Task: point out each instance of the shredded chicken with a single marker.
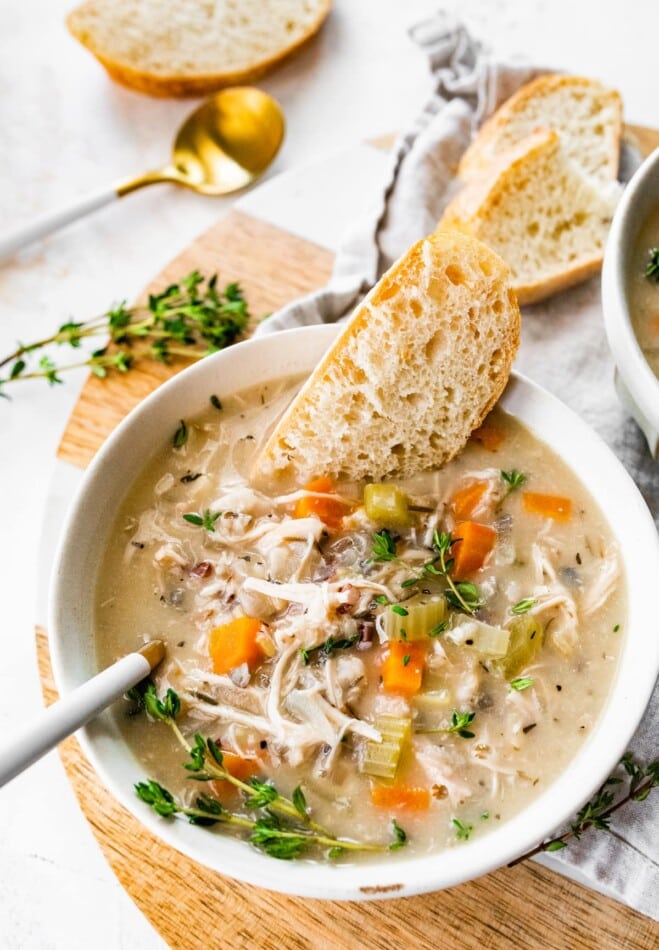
(604, 584)
(322, 598)
(437, 765)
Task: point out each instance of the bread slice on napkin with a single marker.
(193, 47)
(418, 366)
(536, 209)
(586, 114)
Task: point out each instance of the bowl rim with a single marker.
(630, 215)
(400, 875)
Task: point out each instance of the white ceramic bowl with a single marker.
(636, 384)
(72, 644)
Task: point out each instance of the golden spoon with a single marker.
(223, 146)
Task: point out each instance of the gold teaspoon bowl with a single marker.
(227, 142)
(223, 146)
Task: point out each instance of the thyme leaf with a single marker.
(157, 797)
(521, 683)
(181, 435)
(459, 722)
(328, 647)
(513, 479)
(523, 606)
(384, 546)
(269, 837)
(299, 800)
(206, 520)
(652, 266)
(264, 794)
(458, 725)
(439, 629)
(400, 836)
(462, 829)
(164, 710)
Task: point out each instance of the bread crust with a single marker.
(541, 290)
(478, 155)
(425, 262)
(177, 85)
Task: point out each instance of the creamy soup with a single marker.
(643, 291)
(418, 660)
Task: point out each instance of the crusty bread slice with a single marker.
(540, 213)
(586, 114)
(418, 366)
(192, 47)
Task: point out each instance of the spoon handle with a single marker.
(70, 713)
(54, 220)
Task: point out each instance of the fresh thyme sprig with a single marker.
(206, 764)
(190, 319)
(206, 757)
(266, 833)
(463, 595)
(328, 647)
(458, 727)
(597, 812)
(652, 266)
(513, 479)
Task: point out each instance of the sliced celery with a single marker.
(387, 505)
(526, 638)
(416, 618)
(433, 700)
(381, 758)
(483, 637)
(429, 707)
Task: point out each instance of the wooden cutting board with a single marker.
(192, 907)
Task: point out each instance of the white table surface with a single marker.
(67, 129)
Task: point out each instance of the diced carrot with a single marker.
(549, 506)
(489, 435)
(402, 667)
(655, 322)
(400, 796)
(329, 511)
(467, 499)
(235, 643)
(473, 542)
(240, 768)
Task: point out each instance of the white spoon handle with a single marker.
(55, 219)
(64, 717)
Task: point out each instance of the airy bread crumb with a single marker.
(418, 366)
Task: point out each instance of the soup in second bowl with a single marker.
(359, 666)
(643, 290)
